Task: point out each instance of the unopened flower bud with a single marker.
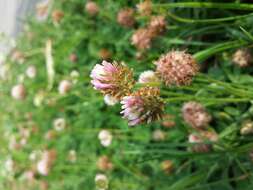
(101, 182)
(64, 87)
(167, 166)
(247, 128)
(110, 100)
(148, 77)
(31, 71)
(105, 137)
(158, 135)
(242, 58)
(18, 92)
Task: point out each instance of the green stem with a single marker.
(214, 20)
(207, 100)
(207, 5)
(205, 54)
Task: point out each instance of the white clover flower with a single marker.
(105, 137)
(31, 71)
(59, 124)
(101, 182)
(43, 167)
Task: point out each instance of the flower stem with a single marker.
(205, 54)
(208, 5)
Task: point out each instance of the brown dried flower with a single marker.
(200, 139)
(57, 16)
(126, 17)
(167, 166)
(196, 115)
(145, 8)
(242, 57)
(176, 68)
(105, 54)
(91, 8)
(142, 38)
(104, 163)
(157, 25)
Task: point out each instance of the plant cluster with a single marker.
(179, 73)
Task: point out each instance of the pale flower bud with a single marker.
(148, 77)
(247, 128)
(31, 71)
(64, 87)
(105, 137)
(18, 92)
(101, 182)
(110, 100)
(158, 135)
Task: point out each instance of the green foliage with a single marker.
(209, 30)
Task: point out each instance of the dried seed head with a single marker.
(142, 38)
(126, 17)
(17, 56)
(73, 57)
(112, 79)
(157, 25)
(167, 166)
(199, 140)
(247, 128)
(18, 92)
(104, 163)
(148, 77)
(196, 115)
(42, 10)
(57, 16)
(242, 57)
(143, 106)
(105, 54)
(176, 68)
(91, 8)
(145, 8)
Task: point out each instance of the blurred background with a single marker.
(12, 16)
